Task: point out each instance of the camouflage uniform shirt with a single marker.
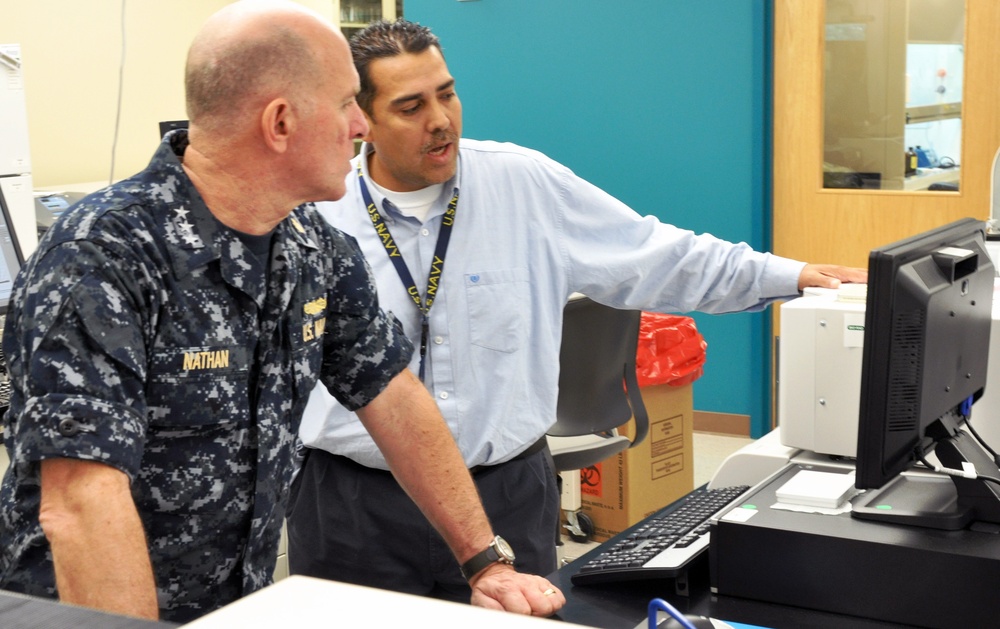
(145, 335)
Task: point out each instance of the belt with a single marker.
(534, 448)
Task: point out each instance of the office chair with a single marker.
(598, 393)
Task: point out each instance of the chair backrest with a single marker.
(597, 383)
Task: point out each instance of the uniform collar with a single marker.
(195, 237)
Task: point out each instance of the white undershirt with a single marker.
(416, 204)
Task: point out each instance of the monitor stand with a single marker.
(961, 451)
(940, 502)
(927, 501)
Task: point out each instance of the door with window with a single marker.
(858, 86)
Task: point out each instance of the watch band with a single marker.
(498, 551)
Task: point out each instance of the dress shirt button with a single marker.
(443, 395)
(438, 340)
(425, 232)
(68, 427)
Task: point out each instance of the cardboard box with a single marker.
(633, 484)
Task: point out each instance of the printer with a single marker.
(820, 345)
(819, 372)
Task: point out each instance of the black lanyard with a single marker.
(437, 264)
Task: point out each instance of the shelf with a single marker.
(926, 176)
(928, 113)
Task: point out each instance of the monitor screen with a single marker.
(927, 327)
(11, 258)
(167, 126)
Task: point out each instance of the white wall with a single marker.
(71, 52)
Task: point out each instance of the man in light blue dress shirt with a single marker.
(476, 247)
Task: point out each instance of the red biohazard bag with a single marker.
(670, 350)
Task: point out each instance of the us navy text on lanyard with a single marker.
(396, 257)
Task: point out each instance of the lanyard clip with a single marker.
(425, 329)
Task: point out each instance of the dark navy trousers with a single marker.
(355, 524)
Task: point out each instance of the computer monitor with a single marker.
(11, 257)
(926, 344)
(169, 125)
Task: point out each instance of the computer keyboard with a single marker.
(663, 545)
(5, 391)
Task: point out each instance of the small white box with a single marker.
(817, 489)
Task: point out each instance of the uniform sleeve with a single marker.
(364, 347)
(76, 355)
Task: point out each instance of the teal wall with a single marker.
(663, 103)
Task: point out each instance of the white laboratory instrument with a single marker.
(15, 155)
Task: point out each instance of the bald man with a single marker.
(169, 329)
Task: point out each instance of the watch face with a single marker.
(504, 549)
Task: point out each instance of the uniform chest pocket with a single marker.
(198, 386)
(496, 301)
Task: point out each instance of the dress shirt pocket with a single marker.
(496, 302)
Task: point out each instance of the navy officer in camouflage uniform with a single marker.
(167, 333)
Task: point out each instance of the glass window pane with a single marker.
(893, 94)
